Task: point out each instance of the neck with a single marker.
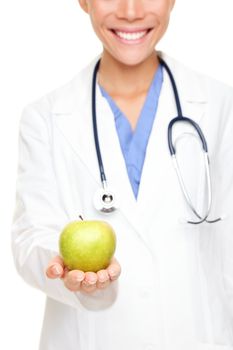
(124, 80)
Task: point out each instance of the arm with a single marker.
(39, 216)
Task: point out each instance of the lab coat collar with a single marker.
(73, 116)
(188, 83)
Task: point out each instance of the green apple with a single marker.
(87, 245)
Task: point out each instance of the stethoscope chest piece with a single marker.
(105, 200)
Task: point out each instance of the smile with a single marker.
(131, 36)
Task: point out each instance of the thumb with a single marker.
(55, 268)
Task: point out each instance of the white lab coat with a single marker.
(176, 287)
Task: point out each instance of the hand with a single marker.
(77, 280)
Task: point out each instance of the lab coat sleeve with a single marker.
(225, 167)
(39, 216)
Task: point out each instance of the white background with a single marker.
(44, 43)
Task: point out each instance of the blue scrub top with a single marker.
(134, 143)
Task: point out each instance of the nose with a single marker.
(130, 9)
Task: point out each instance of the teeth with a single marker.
(131, 36)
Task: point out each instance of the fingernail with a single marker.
(112, 273)
(102, 278)
(56, 270)
(91, 281)
(79, 277)
(88, 283)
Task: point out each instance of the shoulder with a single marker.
(62, 98)
(189, 80)
(196, 87)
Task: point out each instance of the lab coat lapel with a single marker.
(72, 115)
(159, 187)
(114, 164)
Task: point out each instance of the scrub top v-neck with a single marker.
(134, 143)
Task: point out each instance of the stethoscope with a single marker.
(105, 199)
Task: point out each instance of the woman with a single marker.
(175, 290)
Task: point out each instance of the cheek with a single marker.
(98, 15)
(161, 8)
(96, 20)
(162, 16)
(101, 8)
(98, 26)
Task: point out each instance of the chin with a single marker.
(130, 59)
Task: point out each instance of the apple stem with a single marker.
(80, 217)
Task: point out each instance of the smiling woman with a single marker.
(175, 290)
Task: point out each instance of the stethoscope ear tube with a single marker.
(186, 194)
(172, 149)
(207, 169)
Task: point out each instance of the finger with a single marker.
(55, 268)
(114, 270)
(89, 283)
(73, 279)
(103, 279)
(65, 271)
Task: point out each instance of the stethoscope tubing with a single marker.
(180, 118)
(194, 125)
(95, 127)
